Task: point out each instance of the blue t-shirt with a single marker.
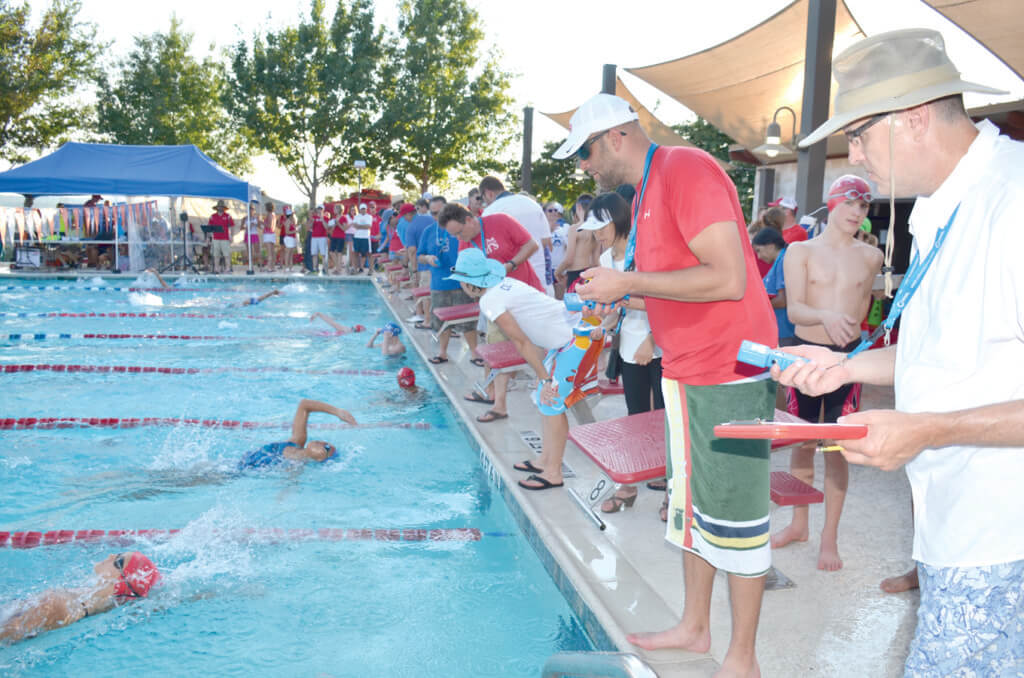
(437, 241)
(774, 281)
(413, 232)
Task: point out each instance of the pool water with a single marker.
(236, 597)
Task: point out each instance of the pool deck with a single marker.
(628, 579)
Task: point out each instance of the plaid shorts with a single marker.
(970, 622)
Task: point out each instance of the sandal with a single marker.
(623, 497)
(544, 484)
(663, 511)
(659, 485)
(527, 467)
(437, 360)
(490, 415)
(475, 397)
(479, 362)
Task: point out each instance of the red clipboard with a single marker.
(774, 430)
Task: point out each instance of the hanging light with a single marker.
(773, 136)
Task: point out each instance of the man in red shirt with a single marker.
(696, 272)
(504, 239)
(791, 230)
(220, 247)
(318, 239)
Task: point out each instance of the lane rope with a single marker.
(27, 539)
(205, 316)
(36, 423)
(45, 336)
(139, 369)
(73, 288)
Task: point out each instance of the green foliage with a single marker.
(308, 93)
(446, 111)
(706, 136)
(160, 94)
(554, 179)
(39, 68)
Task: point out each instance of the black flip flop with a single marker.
(479, 362)
(489, 416)
(437, 360)
(527, 467)
(658, 485)
(544, 484)
(475, 397)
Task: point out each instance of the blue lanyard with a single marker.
(483, 236)
(911, 280)
(628, 264)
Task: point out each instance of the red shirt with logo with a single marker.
(338, 230)
(504, 237)
(687, 192)
(318, 230)
(226, 223)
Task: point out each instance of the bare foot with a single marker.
(675, 638)
(730, 669)
(789, 534)
(828, 558)
(904, 582)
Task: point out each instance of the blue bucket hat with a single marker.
(475, 268)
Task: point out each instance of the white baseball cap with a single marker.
(785, 202)
(596, 114)
(596, 221)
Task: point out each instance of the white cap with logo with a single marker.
(596, 114)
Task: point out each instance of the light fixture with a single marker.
(773, 137)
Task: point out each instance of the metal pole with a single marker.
(248, 240)
(608, 79)
(810, 163)
(526, 180)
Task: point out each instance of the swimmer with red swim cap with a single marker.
(406, 378)
(119, 578)
(339, 330)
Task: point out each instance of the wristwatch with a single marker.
(514, 265)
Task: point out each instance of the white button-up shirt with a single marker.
(961, 345)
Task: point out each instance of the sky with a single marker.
(554, 48)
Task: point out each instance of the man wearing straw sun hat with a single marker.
(958, 369)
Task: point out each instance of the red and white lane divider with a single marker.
(75, 288)
(204, 316)
(43, 336)
(34, 423)
(138, 369)
(27, 539)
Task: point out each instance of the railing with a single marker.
(597, 665)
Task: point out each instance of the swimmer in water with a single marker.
(295, 449)
(253, 300)
(144, 279)
(338, 329)
(391, 344)
(119, 578)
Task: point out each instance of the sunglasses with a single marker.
(552, 209)
(855, 195)
(119, 565)
(584, 151)
(855, 134)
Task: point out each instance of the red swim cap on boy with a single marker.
(138, 575)
(358, 328)
(848, 187)
(406, 377)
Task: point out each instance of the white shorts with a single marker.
(289, 242)
(318, 246)
(269, 238)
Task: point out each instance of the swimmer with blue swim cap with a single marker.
(390, 345)
(119, 578)
(296, 449)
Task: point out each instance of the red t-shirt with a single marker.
(318, 230)
(290, 227)
(338, 230)
(225, 221)
(505, 237)
(686, 192)
(763, 267)
(794, 233)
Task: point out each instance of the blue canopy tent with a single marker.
(83, 169)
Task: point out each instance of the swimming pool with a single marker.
(397, 558)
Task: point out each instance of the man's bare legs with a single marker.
(906, 581)
(442, 342)
(837, 479)
(500, 386)
(801, 465)
(693, 632)
(554, 434)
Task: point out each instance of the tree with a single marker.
(39, 69)
(556, 180)
(308, 93)
(162, 95)
(446, 108)
(706, 136)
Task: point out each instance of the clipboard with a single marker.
(776, 430)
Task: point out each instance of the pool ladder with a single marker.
(597, 665)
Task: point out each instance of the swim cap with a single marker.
(848, 187)
(138, 574)
(392, 329)
(358, 328)
(406, 377)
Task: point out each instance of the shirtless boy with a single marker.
(829, 281)
(581, 248)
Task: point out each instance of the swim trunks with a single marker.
(271, 454)
(844, 400)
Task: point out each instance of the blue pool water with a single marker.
(232, 602)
